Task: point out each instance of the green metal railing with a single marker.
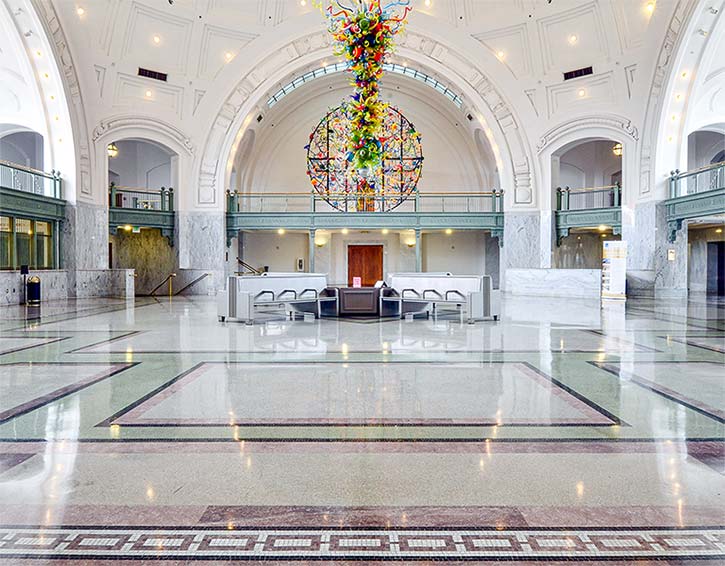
(438, 202)
(707, 178)
(29, 180)
(588, 198)
(141, 198)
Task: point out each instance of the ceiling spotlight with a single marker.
(573, 39)
(345, 231)
(650, 7)
(617, 149)
(449, 231)
(157, 39)
(228, 56)
(427, 3)
(112, 150)
(281, 231)
(582, 93)
(386, 231)
(149, 94)
(80, 11)
(500, 54)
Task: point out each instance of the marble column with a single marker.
(201, 242)
(524, 244)
(670, 258)
(492, 259)
(84, 241)
(639, 231)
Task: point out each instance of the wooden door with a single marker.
(365, 262)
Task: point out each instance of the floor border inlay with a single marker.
(407, 544)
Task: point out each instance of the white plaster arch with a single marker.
(150, 130)
(597, 127)
(685, 50)
(485, 102)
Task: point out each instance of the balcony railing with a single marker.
(161, 200)
(588, 198)
(708, 178)
(470, 202)
(29, 180)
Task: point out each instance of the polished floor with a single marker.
(564, 432)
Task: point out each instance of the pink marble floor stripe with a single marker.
(697, 449)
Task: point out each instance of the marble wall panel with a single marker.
(148, 253)
(53, 286)
(84, 237)
(670, 275)
(201, 240)
(697, 264)
(103, 283)
(575, 283)
(522, 242)
(492, 259)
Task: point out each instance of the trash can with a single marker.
(33, 290)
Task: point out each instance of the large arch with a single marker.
(484, 103)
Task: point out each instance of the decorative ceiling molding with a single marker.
(615, 124)
(62, 54)
(655, 103)
(151, 126)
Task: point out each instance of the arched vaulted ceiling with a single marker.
(506, 57)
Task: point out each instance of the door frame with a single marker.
(366, 243)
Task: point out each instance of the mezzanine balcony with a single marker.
(695, 194)
(588, 208)
(131, 209)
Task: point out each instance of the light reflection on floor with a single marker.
(188, 438)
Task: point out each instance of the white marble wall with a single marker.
(53, 286)
(575, 283)
(103, 283)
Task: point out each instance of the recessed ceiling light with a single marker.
(582, 93)
(46, 75)
(678, 97)
(650, 7)
(449, 231)
(685, 74)
(385, 231)
(427, 3)
(80, 11)
(57, 117)
(573, 39)
(345, 231)
(228, 56)
(38, 53)
(157, 39)
(281, 231)
(149, 94)
(52, 97)
(500, 54)
(303, 2)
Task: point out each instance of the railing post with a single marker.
(617, 195)
(674, 182)
(112, 204)
(162, 192)
(558, 198)
(417, 201)
(418, 251)
(171, 199)
(313, 202)
(565, 200)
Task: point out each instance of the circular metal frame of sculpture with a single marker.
(382, 189)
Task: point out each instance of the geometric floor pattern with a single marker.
(565, 432)
(356, 544)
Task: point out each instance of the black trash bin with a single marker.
(33, 290)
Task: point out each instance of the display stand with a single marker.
(614, 270)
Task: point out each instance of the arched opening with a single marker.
(141, 176)
(268, 166)
(586, 188)
(23, 148)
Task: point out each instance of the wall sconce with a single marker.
(617, 149)
(112, 150)
(410, 243)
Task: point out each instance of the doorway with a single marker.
(716, 268)
(366, 262)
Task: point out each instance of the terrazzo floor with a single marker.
(567, 432)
